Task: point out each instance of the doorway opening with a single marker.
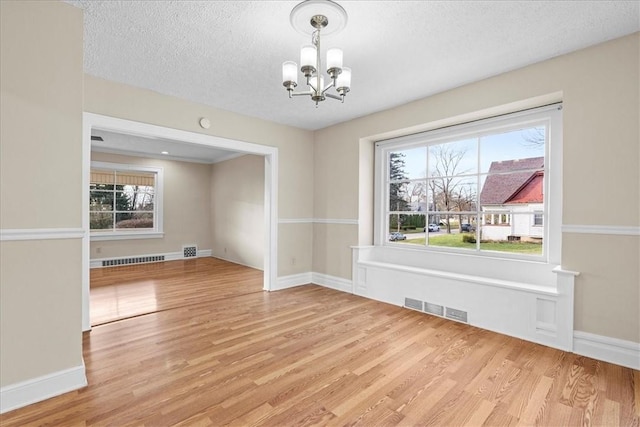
(128, 138)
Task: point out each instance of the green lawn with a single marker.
(455, 241)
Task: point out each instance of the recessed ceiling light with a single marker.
(165, 152)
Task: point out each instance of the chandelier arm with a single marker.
(329, 86)
(309, 92)
(339, 98)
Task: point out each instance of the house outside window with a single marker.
(125, 201)
(485, 183)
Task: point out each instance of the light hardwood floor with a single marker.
(226, 353)
(129, 291)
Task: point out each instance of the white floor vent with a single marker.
(459, 315)
(431, 308)
(190, 251)
(132, 260)
(413, 303)
(436, 309)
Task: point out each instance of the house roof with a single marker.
(531, 191)
(505, 182)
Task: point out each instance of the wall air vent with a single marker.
(190, 251)
(438, 310)
(459, 315)
(413, 303)
(431, 308)
(132, 260)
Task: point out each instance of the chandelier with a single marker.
(318, 13)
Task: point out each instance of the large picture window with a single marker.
(481, 187)
(124, 200)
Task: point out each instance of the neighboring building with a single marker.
(513, 194)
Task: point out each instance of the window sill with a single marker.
(484, 267)
(95, 237)
(509, 284)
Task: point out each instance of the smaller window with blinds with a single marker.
(123, 199)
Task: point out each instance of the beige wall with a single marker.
(295, 148)
(237, 210)
(41, 175)
(40, 318)
(599, 87)
(186, 218)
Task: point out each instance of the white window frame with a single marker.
(157, 231)
(550, 115)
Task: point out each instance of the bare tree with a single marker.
(444, 183)
(534, 137)
(416, 193)
(464, 199)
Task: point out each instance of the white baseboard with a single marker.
(31, 391)
(202, 253)
(168, 256)
(613, 350)
(235, 261)
(333, 282)
(291, 281)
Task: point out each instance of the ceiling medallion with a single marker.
(312, 17)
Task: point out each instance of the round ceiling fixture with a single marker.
(205, 123)
(303, 15)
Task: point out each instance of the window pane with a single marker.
(456, 231)
(408, 164)
(454, 194)
(513, 232)
(399, 196)
(416, 195)
(134, 220)
(517, 221)
(124, 201)
(519, 190)
(499, 152)
(453, 158)
(100, 220)
(145, 200)
(140, 197)
(408, 229)
(100, 200)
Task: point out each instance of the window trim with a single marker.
(155, 233)
(550, 114)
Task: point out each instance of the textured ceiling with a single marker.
(228, 54)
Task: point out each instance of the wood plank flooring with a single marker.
(128, 291)
(315, 356)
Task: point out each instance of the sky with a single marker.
(496, 147)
